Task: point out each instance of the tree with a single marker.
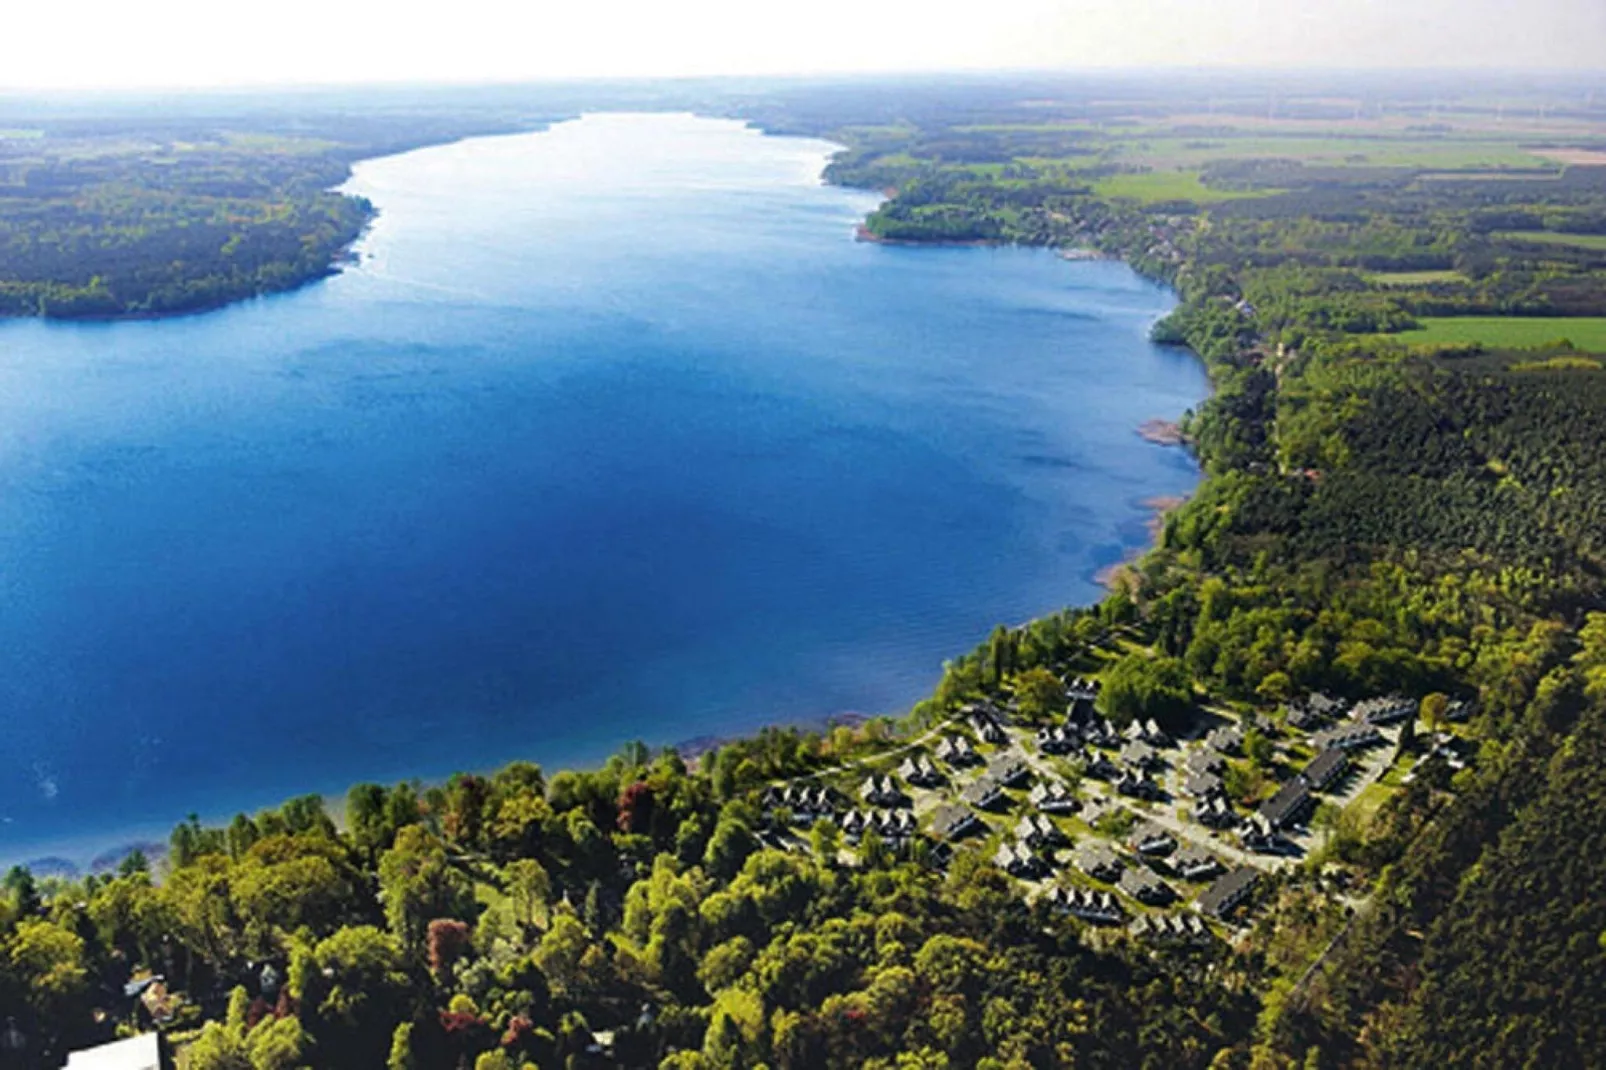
(1434, 707)
(1142, 686)
(351, 986)
(416, 884)
(368, 818)
(825, 840)
(24, 892)
(217, 1048)
(1039, 694)
(1259, 748)
(401, 1049)
(448, 939)
(277, 1044)
(48, 960)
(729, 847)
(562, 949)
(529, 888)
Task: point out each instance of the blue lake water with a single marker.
(614, 432)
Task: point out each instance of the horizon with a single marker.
(170, 46)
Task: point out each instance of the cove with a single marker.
(612, 432)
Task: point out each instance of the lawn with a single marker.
(1510, 332)
(1550, 237)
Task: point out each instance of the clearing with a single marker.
(1510, 332)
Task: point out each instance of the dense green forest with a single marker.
(1378, 518)
(156, 218)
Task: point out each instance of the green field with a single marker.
(1152, 186)
(1414, 278)
(1510, 332)
(1379, 151)
(1551, 237)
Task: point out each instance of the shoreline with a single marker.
(1160, 506)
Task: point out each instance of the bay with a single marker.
(612, 432)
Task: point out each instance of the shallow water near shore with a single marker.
(613, 432)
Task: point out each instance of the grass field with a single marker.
(1384, 151)
(1150, 186)
(1550, 237)
(1414, 278)
(1510, 332)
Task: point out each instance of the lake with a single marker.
(613, 432)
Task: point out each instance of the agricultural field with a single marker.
(1451, 153)
(1510, 332)
(1414, 278)
(1550, 237)
(1152, 186)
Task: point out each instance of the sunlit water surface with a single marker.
(615, 432)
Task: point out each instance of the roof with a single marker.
(1227, 890)
(1193, 855)
(1325, 765)
(1137, 752)
(143, 1052)
(982, 790)
(1288, 801)
(1096, 856)
(948, 820)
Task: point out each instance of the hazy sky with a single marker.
(112, 43)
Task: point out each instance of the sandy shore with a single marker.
(1159, 506)
(1162, 432)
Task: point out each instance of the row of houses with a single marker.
(881, 790)
(1194, 863)
(807, 802)
(1099, 862)
(1141, 756)
(1347, 737)
(1228, 892)
(1146, 731)
(1145, 887)
(951, 823)
(1178, 926)
(1019, 860)
(1318, 710)
(1083, 689)
(1294, 800)
(1089, 729)
(1313, 711)
(957, 752)
(895, 825)
(1150, 839)
(920, 771)
(1035, 830)
(1099, 908)
(1053, 797)
(987, 790)
(987, 725)
(1385, 710)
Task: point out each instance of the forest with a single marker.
(102, 220)
(1379, 517)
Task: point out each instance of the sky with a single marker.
(107, 44)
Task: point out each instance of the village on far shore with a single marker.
(1165, 831)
